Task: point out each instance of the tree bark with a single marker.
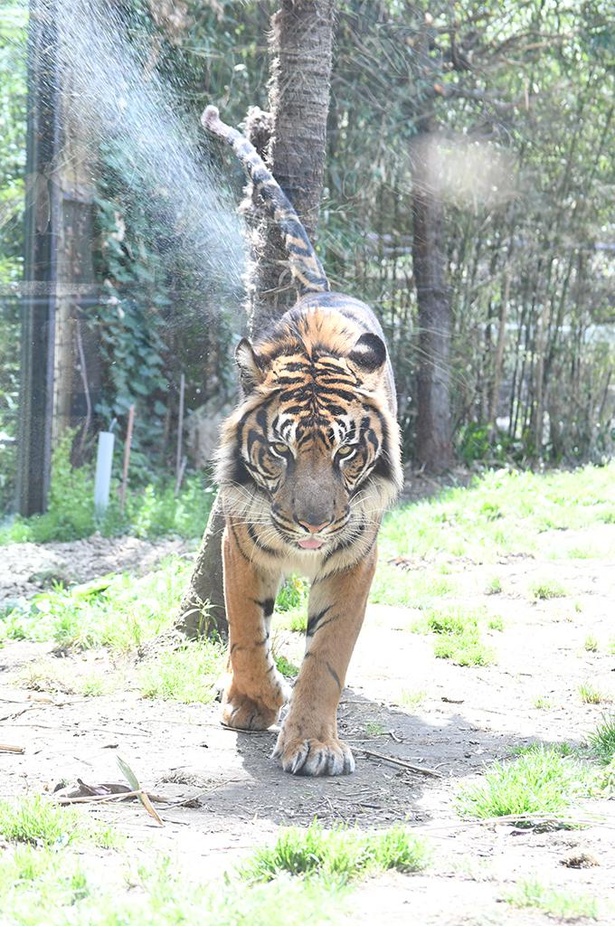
(299, 100)
(58, 267)
(299, 89)
(75, 275)
(201, 610)
(39, 304)
(434, 446)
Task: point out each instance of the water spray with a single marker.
(115, 96)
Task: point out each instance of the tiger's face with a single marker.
(310, 454)
(311, 444)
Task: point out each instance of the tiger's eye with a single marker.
(346, 450)
(278, 448)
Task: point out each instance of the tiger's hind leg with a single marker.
(255, 691)
(308, 743)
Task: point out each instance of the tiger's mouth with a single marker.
(310, 543)
(303, 542)
(314, 540)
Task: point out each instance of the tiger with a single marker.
(308, 462)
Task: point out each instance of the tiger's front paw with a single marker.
(308, 756)
(252, 713)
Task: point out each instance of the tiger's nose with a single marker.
(313, 529)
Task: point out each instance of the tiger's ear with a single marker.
(369, 354)
(250, 369)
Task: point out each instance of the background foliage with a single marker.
(12, 180)
(520, 95)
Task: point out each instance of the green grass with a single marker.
(40, 886)
(412, 699)
(495, 623)
(121, 611)
(503, 512)
(411, 588)
(463, 651)
(46, 876)
(461, 521)
(590, 695)
(286, 667)
(337, 856)
(47, 676)
(187, 674)
(590, 644)
(293, 621)
(291, 604)
(602, 740)
(584, 553)
(305, 878)
(540, 781)
(548, 589)
(40, 822)
(93, 687)
(374, 729)
(457, 633)
(565, 906)
(44, 886)
(494, 586)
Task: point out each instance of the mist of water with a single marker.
(114, 93)
(469, 173)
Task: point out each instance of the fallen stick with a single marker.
(143, 797)
(80, 799)
(9, 748)
(117, 796)
(422, 770)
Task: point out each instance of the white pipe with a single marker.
(104, 461)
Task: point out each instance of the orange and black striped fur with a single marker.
(309, 460)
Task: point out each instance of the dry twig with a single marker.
(422, 770)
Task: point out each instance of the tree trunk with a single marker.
(41, 216)
(75, 277)
(434, 448)
(58, 266)
(301, 54)
(201, 611)
(299, 100)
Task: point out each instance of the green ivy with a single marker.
(130, 320)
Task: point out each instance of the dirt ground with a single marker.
(459, 720)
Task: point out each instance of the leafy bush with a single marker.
(153, 511)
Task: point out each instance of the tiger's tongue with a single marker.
(310, 544)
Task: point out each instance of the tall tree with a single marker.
(58, 268)
(41, 223)
(434, 432)
(302, 39)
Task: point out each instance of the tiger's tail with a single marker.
(307, 271)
